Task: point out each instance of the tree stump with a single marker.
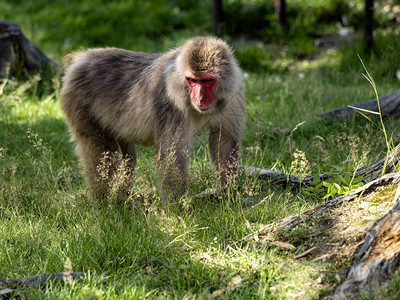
(20, 58)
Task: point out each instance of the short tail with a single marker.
(70, 58)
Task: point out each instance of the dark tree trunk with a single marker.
(280, 12)
(368, 24)
(218, 18)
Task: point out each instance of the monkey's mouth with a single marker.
(202, 106)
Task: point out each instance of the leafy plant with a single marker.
(343, 181)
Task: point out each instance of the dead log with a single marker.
(281, 179)
(374, 170)
(390, 106)
(380, 166)
(294, 220)
(378, 258)
(9, 286)
(20, 58)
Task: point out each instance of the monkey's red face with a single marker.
(201, 93)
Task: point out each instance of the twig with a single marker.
(305, 253)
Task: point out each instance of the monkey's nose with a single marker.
(199, 98)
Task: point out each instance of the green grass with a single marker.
(49, 224)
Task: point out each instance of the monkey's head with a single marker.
(205, 62)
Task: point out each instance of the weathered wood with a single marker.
(19, 57)
(8, 286)
(390, 106)
(281, 179)
(294, 220)
(370, 172)
(380, 166)
(378, 258)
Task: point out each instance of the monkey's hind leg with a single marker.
(125, 166)
(107, 171)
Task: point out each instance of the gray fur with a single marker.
(115, 98)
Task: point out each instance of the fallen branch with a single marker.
(9, 286)
(390, 106)
(370, 172)
(294, 220)
(281, 179)
(378, 258)
(305, 253)
(380, 166)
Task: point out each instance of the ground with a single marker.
(327, 245)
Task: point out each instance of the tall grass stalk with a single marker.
(383, 129)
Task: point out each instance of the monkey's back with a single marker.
(106, 88)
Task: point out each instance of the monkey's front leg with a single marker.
(173, 160)
(224, 152)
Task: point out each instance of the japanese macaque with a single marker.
(114, 99)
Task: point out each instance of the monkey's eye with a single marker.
(191, 80)
(202, 81)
